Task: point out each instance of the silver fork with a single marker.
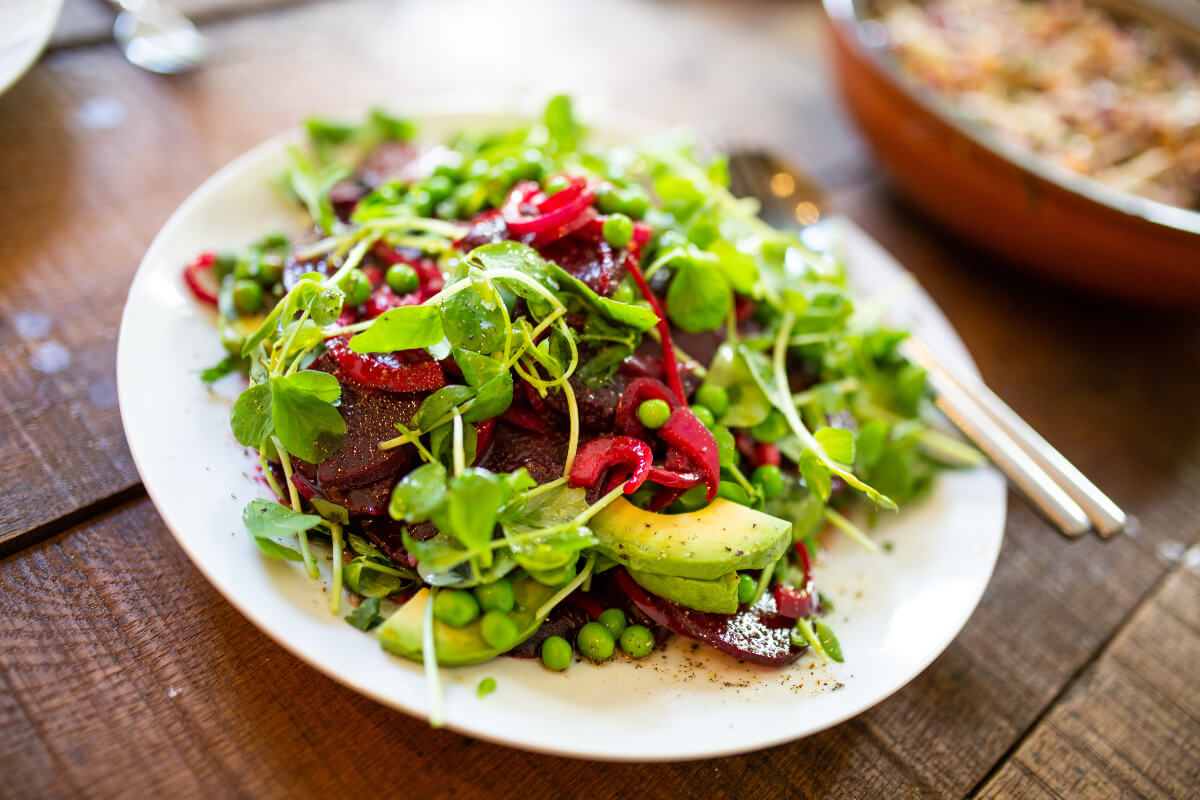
(789, 199)
(158, 38)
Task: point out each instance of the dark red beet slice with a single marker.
(387, 161)
(597, 404)
(487, 228)
(565, 621)
(746, 635)
(400, 371)
(542, 454)
(590, 261)
(370, 419)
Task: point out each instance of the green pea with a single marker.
(479, 168)
(456, 608)
(270, 270)
(769, 478)
(496, 596)
(498, 630)
(531, 164)
(420, 201)
(706, 417)
(556, 184)
(402, 278)
(451, 166)
(439, 187)
(608, 200)
(274, 241)
(554, 577)
(470, 198)
(726, 445)
(653, 413)
(595, 641)
(225, 264)
(247, 266)
(694, 498)
(508, 169)
(624, 292)
(556, 653)
(613, 619)
(747, 588)
(715, 397)
(447, 209)
(733, 492)
(247, 296)
(617, 230)
(771, 429)
(357, 287)
(231, 339)
(635, 201)
(637, 641)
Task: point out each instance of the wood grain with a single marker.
(124, 674)
(1130, 726)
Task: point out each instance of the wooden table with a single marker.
(122, 673)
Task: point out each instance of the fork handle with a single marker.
(974, 421)
(1104, 513)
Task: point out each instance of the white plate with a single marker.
(895, 611)
(25, 27)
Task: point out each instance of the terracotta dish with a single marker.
(1037, 215)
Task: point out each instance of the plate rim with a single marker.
(267, 149)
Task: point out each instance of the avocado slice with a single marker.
(717, 597)
(708, 543)
(456, 647)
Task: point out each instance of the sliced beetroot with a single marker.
(344, 196)
(592, 262)
(565, 621)
(401, 371)
(201, 279)
(525, 418)
(542, 454)
(388, 535)
(487, 228)
(371, 417)
(597, 403)
(745, 635)
(387, 161)
(686, 433)
(625, 459)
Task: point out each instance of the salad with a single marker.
(548, 400)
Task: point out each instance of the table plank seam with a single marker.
(1070, 683)
(72, 519)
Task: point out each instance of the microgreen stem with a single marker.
(764, 580)
(270, 476)
(335, 600)
(413, 438)
(432, 676)
(285, 461)
(810, 636)
(460, 454)
(573, 415)
(352, 260)
(783, 400)
(741, 479)
(844, 386)
(850, 529)
(545, 487)
(279, 355)
(565, 592)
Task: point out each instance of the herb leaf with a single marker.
(404, 328)
(219, 370)
(308, 427)
(419, 494)
(698, 298)
(320, 385)
(251, 419)
(838, 444)
(366, 616)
